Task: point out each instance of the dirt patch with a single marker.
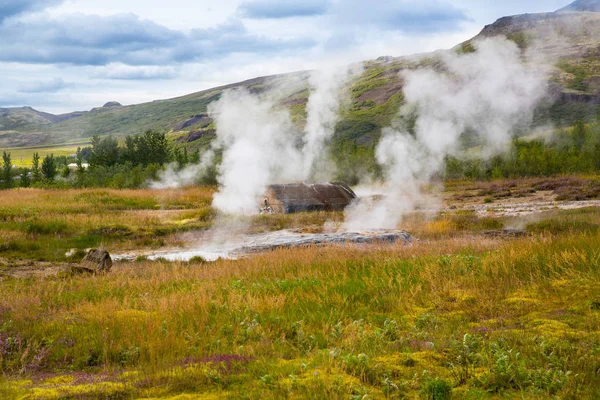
(30, 269)
(382, 94)
(196, 135)
(523, 196)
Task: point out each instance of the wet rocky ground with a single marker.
(248, 244)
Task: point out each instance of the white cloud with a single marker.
(47, 86)
(121, 71)
(266, 9)
(142, 50)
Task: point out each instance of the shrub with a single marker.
(436, 389)
(197, 260)
(45, 227)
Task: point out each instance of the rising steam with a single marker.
(322, 114)
(259, 148)
(173, 177)
(260, 143)
(490, 92)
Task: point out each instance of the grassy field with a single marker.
(22, 156)
(458, 314)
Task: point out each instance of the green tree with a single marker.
(105, 152)
(156, 149)
(80, 171)
(35, 169)
(79, 161)
(25, 181)
(6, 170)
(579, 134)
(130, 152)
(49, 168)
(178, 158)
(195, 158)
(65, 172)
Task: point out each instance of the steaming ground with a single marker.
(248, 244)
(490, 93)
(229, 239)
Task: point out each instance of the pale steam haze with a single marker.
(489, 92)
(173, 177)
(259, 140)
(258, 148)
(323, 112)
(61, 56)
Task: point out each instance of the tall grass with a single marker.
(481, 317)
(45, 224)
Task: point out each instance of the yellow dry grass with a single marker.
(487, 317)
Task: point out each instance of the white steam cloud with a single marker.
(322, 114)
(489, 92)
(261, 145)
(172, 177)
(258, 148)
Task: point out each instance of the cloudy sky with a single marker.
(66, 55)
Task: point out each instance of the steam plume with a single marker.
(171, 177)
(489, 92)
(260, 143)
(322, 114)
(259, 149)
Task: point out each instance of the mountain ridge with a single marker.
(376, 94)
(582, 5)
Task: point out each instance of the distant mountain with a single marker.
(583, 5)
(570, 39)
(25, 126)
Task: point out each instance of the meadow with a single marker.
(23, 156)
(458, 314)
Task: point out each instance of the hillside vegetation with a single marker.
(567, 41)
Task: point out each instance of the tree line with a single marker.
(568, 152)
(110, 164)
(139, 158)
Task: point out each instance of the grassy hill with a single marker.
(376, 94)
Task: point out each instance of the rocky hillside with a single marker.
(567, 40)
(583, 5)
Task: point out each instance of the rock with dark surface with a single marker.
(96, 261)
(284, 239)
(301, 197)
(200, 121)
(112, 104)
(195, 135)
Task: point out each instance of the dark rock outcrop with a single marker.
(195, 135)
(200, 120)
(112, 104)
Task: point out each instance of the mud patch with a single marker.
(524, 209)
